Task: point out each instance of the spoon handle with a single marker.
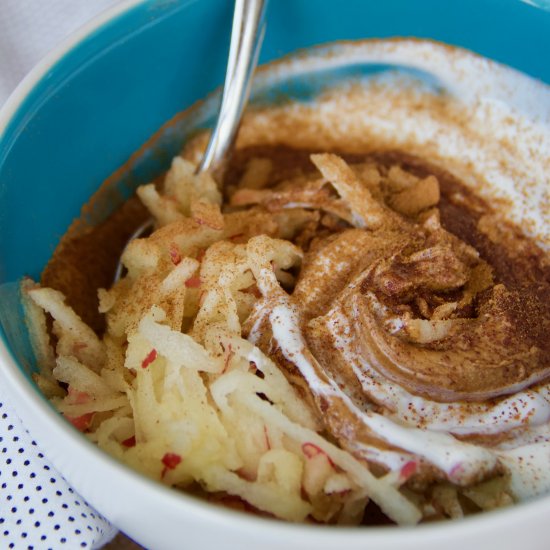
(246, 38)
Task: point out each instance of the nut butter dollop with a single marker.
(415, 347)
(427, 310)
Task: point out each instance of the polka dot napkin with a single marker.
(38, 509)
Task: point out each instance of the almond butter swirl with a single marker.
(415, 348)
(411, 291)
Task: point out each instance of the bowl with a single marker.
(92, 107)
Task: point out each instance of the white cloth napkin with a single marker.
(31, 28)
(38, 509)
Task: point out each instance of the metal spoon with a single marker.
(247, 33)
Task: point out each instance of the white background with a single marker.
(29, 29)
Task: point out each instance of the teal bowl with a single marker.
(96, 100)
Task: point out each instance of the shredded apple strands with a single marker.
(175, 391)
(192, 382)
